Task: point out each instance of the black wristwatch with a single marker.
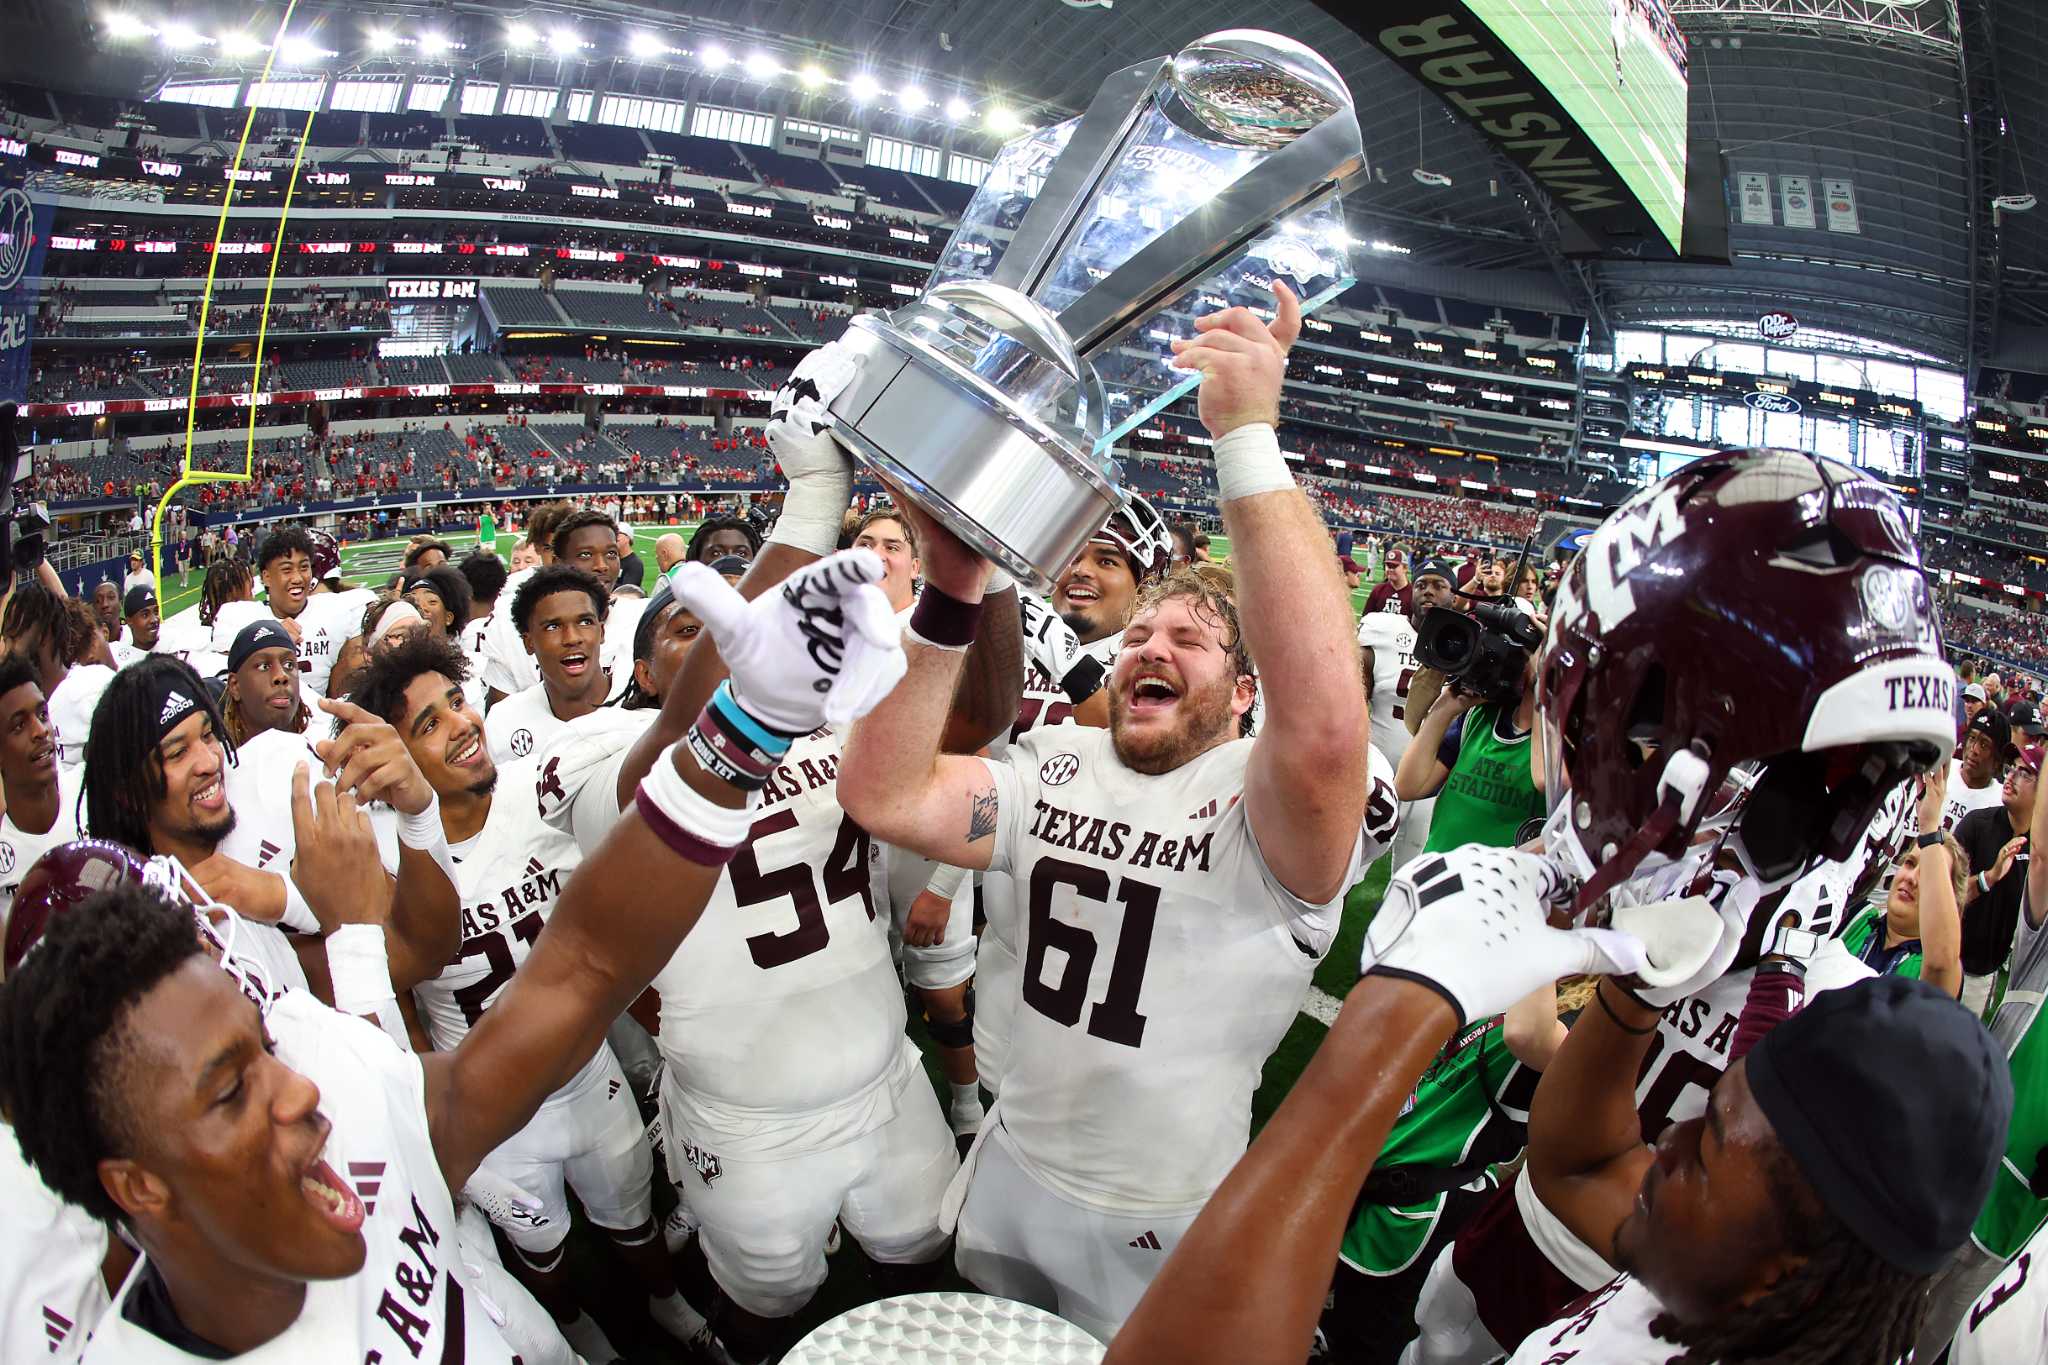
(1931, 840)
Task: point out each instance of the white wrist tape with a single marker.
(945, 882)
(423, 833)
(721, 826)
(298, 916)
(1249, 462)
(812, 511)
(359, 965)
(422, 830)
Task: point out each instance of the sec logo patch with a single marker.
(522, 743)
(6, 857)
(1059, 770)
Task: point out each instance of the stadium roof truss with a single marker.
(1914, 24)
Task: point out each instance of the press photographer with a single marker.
(1472, 750)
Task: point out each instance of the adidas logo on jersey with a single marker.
(368, 1178)
(611, 1088)
(56, 1327)
(265, 851)
(1148, 1242)
(175, 705)
(1205, 813)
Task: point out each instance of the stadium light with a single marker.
(122, 25)
(811, 77)
(1000, 120)
(646, 47)
(762, 67)
(912, 98)
(434, 44)
(521, 34)
(957, 109)
(714, 57)
(240, 45)
(864, 87)
(178, 37)
(381, 39)
(563, 41)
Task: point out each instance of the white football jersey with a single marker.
(51, 1294)
(1611, 1324)
(1391, 638)
(412, 1300)
(2008, 1324)
(1962, 800)
(523, 724)
(1162, 963)
(577, 782)
(325, 625)
(72, 703)
(259, 791)
(1043, 702)
(19, 849)
(783, 997)
(508, 876)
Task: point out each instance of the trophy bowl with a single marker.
(1255, 88)
(974, 402)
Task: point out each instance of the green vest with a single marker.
(487, 531)
(2014, 1213)
(1489, 794)
(1856, 938)
(1436, 1128)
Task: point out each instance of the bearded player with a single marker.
(1070, 650)
(240, 1149)
(1183, 880)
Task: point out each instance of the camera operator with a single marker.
(1472, 750)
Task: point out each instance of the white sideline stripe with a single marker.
(1321, 1006)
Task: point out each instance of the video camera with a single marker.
(24, 527)
(1484, 650)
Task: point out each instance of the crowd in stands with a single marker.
(2016, 635)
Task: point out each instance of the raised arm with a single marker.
(1422, 771)
(1246, 1284)
(1306, 784)
(631, 902)
(893, 779)
(2035, 902)
(1941, 919)
(1586, 1150)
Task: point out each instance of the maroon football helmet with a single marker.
(62, 879)
(1140, 533)
(1763, 607)
(326, 554)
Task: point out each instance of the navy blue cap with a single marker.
(1893, 1102)
(263, 634)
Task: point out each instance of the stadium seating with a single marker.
(523, 307)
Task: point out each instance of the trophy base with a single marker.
(1011, 488)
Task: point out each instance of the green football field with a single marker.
(853, 1279)
(1616, 82)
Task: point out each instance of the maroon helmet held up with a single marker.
(326, 554)
(1760, 607)
(62, 879)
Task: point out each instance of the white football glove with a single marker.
(1473, 925)
(1731, 899)
(820, 647)
(503, 1202)
(799, 432)
(1050, 643)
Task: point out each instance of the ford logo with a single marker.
(1771, 402)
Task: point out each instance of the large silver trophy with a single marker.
(1190, 184)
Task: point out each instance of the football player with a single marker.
(240, 1148)
(560, 615)
(509, 867)
(262, 683)
(1168, 945)
(1634, 749)
(790, 1095)
(41, 795)
(1070, 651)
(508, 668)
(933, 921)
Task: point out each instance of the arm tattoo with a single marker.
(981, 814)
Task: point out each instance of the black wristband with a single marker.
(1929, 840)
(941, 619)
(1084, 679)
(1629, 1029)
